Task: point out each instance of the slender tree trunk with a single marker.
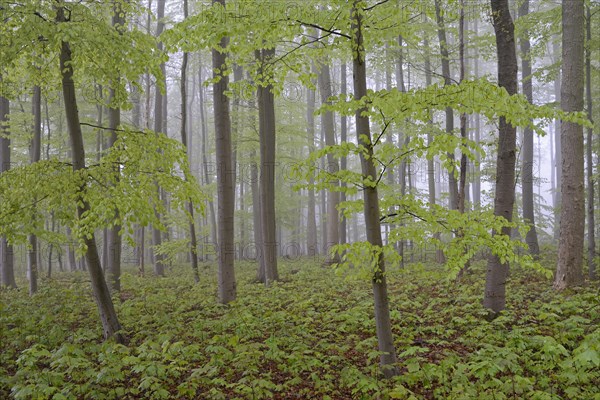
(343, 160)
(113, 266)
(204, 151)
(333, 196)
(266, 118)
(159, 263)
(462, 192)
(225, 180)
(497, 271)
(462, 186)
(108, 316)
(557, 144)
(34, 155)
(477, 133)
(184, 140)
(589, 156)
(527, 168)
(7, 272)
(312, 243)
(452, 184)
(403, 138)
(371, 200)
(572, 217)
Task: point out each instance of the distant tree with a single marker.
(527, 168)
(7, 273)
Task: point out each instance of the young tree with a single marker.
(371, 198)
(589, 157)
(452, 184)
(114, 242)
(572, 215)
(497, 271)
(184, 140)
(225, 181)
(333, 197)
(7, 273)
(108, 316)
(527, 168)
(34, 156)
(159, 123)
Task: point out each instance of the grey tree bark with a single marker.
(477, 133)
(159, 260)
(589, 156)
(225, 179)
(333, 196)
(371, 199)
(204, 151)
(113, 266)
(35, 151)
(266, 129)
(452, 183)
(7, 271)
(557, 143)
(312, 243)
(569, 270)
(108, 316)
(184, 141)
(343, 160)
(527, 169)
(497, 272)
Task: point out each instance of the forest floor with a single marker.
(310, 336)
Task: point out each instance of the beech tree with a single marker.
(7, 273)
(569, 270)
(225, 180)
(527, 168)
(108, 316)
(497, 271)
(385, 338)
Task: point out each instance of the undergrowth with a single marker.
(311, 335)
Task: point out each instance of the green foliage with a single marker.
(125, 195)
(311, 336)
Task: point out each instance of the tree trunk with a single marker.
(34, 155)
(572, 217)
(204, 151)
(225, 180)
(557, 145)
(113, 266)
(184, 140)
(527, 168)
(312, 243)
(159, 264)
(504, 197)
(108, 316)
(589, 157)
(371, 200)
(7, 271)
(477, 134)
(266, 123)
(333, 196)
(452, 184)
(343, 160)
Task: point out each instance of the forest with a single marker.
(299, 199)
